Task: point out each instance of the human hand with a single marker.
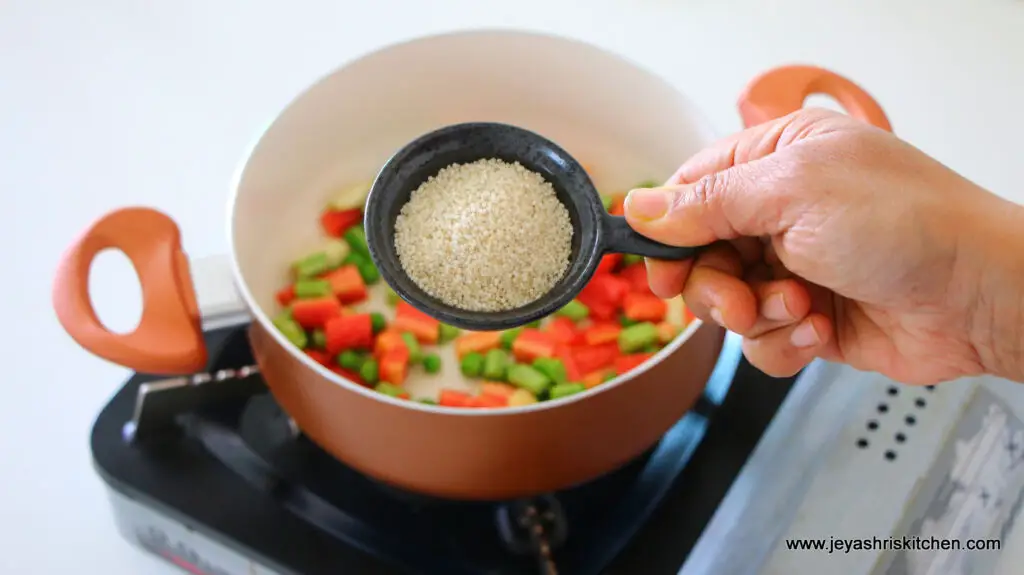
(837, 240)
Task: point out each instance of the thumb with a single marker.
(721, 205)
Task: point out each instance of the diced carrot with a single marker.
(349, 332)
(644, 307)
(336, 222)
(353, 377)
(315, 313)
(425, 328)
(453, 398)
(347, 284)
(595, 378)
(286, 295)
(618, 205)
(626, 363)
(602, 332)
(478, 341)
(611, 289)
(667, 332)
(636, 275)
(591, 358)
(488, 401)
(387, 341)
(609, 263)
(565, 354)
(394, 366)
(533, 344)
(562, 330)
(320, 356)
(497, 389)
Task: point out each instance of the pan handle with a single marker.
(782, 91)
(169, 337)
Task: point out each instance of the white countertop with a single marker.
(105, 104)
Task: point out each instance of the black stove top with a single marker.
(223, 460)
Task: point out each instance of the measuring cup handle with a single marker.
(783, 90)
(169, 337)
(620, 238)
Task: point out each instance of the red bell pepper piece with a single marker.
(425, 328)
(497, 389)
(602, 332)
(347, 284)
(636, 275)
(609, 263)
(315, 313)
(572, 371)
(387, 341)
(479, 341)
(626, 363)
(533, 344)
(394, 366)
(336, 222)
(563, 331)
(321, 357)
(488, 401)
(611, 289)
(644, 307)
(599, 308)
(349, 332)
(353, 377)
(453, 398)
(590, 358)
(286, 295)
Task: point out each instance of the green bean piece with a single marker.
(378, 322)
(574, 310)
(528, 378)
(306, 289)
(551, 367)
(311, 266)
(291, 330)
(472, 364)
(636, 337)
(566, 389)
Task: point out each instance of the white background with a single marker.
(117, 102)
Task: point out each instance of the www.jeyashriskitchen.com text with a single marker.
(850, 545)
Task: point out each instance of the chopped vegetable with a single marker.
(349, 332)
(534, 324)
(528, 378)
(636, 275)
(636, 337)
(563, 331)
(432, 363)
(349, 375)
(574, 310)
(589, 358)
(604, 332)
(352, 197)
(392, 298)
(285, 295)
(572, 371)
(630, 259)
(667, 332)
(378, 322)
(596, 378)
(566, 389)
(336, 251)
(618, 201)
(521, 397)
(369, 371)
(315, 313)
(319, 356)
(472, 364)
(394, 366)
(593, 296)
(532, 344)
(608, 263)
(477, 341)
(507, 337)
(552, 368)
(387, 341)
(336, 222)
(644, 307)
(453, 398)
(609, 289)
(356, 239)
(427, 401)
(488, 401)
(347, 284)
(291, 330)
(307, 289)
(311, 266)
(629, 362)
(502, 390)
(448, 333)
(415, 353)
(351, 360)
(425, 328)
(389, 389)
(496, 363)
(319, 339)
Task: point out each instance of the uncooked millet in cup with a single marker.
(484, 236)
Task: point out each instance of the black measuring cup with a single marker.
(595, 231)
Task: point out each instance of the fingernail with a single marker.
(717, 316)
(774, 308)
(804, 335)
(647, 204)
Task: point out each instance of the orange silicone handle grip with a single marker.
(782, 91)
(169, 337)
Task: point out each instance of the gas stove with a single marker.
(209, 473)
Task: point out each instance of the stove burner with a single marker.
(534, 528)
